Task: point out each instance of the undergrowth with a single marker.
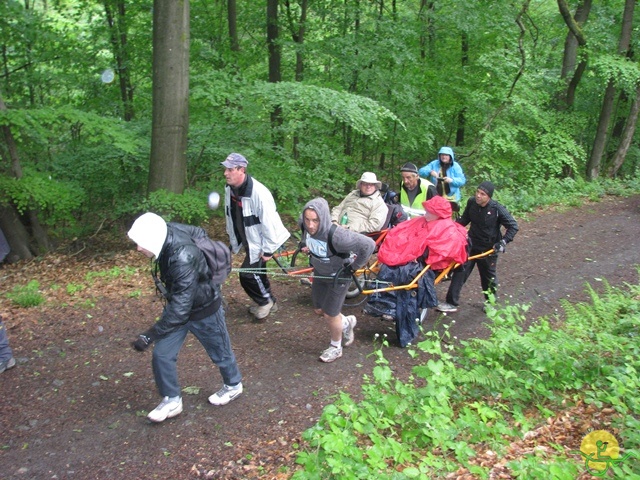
(476, 394)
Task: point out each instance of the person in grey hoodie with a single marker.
(334, 251)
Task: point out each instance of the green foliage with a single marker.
(189, 207)
(26, 296)
(379, 87)
(302, 103)
(457, 401)
(73, 288)
(56, 201)
(112, 273)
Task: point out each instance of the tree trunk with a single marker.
(232, 17)
(627, 136)
(275, 74)
(297, 29)
(572, 41)
(575, 38)
(427, 37)
(116, 19)
(170, 117)
(462, 120)
(16, 234)
(595, 159)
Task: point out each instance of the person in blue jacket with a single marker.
(446, 174)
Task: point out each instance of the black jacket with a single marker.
(486, 221)
(184, 272)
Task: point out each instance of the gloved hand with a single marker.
(142, 342)
(500, 247)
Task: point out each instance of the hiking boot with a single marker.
(331, 354)
(263, 311)
(166, 409)
(226, 394)
(7, 364)
(308, 281)
(446, 307)
(348, 335)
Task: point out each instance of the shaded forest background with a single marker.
(109, 108)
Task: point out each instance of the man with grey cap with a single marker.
(363, 210)
(192, 304)
(252, 223)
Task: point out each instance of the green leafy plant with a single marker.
(26, 295)
(460, 398)
(73, 288)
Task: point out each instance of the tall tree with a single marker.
(14, 230)
(297, 27)
(170, 117)
(600, 140)
(627, 136)
(572, 70)
(232, 21)
(115, 12)
(275, 74)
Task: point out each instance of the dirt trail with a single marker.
(74, 407)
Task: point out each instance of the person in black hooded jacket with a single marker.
(192, 305)
(333, 250)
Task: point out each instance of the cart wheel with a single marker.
(353, 290)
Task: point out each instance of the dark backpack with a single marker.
(218, 257)
(216, 253)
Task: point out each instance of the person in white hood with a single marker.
(193, 304)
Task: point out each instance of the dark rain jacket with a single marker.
(185, 274)
(486, 223)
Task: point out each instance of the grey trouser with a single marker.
(5, 349)
(214, 337)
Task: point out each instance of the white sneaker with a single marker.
(225, 394)
(348, 335)
(331, 354)
(446, 307)
(263, 311)
(308, 281)
(166, 409)
(7, 364)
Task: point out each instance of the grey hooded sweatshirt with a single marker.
(344, 242)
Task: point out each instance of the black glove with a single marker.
(500, 247)
(142, 342)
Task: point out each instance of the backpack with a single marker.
(216, 253)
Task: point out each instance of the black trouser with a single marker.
(256, 283)
(488, 277)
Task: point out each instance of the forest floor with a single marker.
(75, 405)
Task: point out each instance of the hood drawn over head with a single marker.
(439, 206)
(448, 151)
(149, 231)
(321, 207)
